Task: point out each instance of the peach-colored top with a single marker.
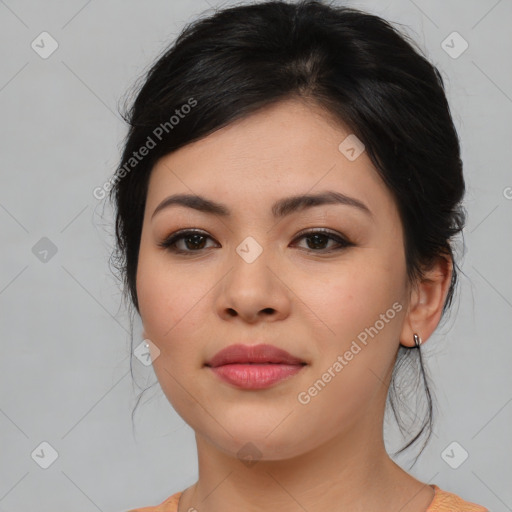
(443, 502)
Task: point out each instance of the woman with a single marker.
(286, 203)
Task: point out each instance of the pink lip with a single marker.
(254, 366)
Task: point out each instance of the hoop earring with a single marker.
(417, 340)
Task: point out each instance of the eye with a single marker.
(322, 240)
(194, 240)
(187, 241)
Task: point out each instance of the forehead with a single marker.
(287, 148)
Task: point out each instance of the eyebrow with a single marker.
(280, 208)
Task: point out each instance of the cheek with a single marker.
(155, 294)
(345, 302)
(173, 307)
(350, 307)
(165, 297)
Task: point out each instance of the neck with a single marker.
(344, 473)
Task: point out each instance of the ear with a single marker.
(427, 301)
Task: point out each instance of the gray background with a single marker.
(64, 371)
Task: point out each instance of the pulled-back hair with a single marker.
(355, 66)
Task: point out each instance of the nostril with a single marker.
(269, 311)
(231, 312)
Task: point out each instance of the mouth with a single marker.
(254, 366)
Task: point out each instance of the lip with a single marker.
(262, 353)
(254, 366)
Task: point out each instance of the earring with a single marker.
(417, 340)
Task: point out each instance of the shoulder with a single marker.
(445, 501)
(169, 505)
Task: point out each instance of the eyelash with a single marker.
(170, 242)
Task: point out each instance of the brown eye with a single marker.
(323, 241)
(195, 242)
(187, 242)
(317, 241)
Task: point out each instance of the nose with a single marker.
(253, 292)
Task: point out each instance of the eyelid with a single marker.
(313, 230)
(342, 240)
(339, 238)
(169, 240)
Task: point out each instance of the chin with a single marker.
(249, 443)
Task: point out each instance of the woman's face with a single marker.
(257, 275)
